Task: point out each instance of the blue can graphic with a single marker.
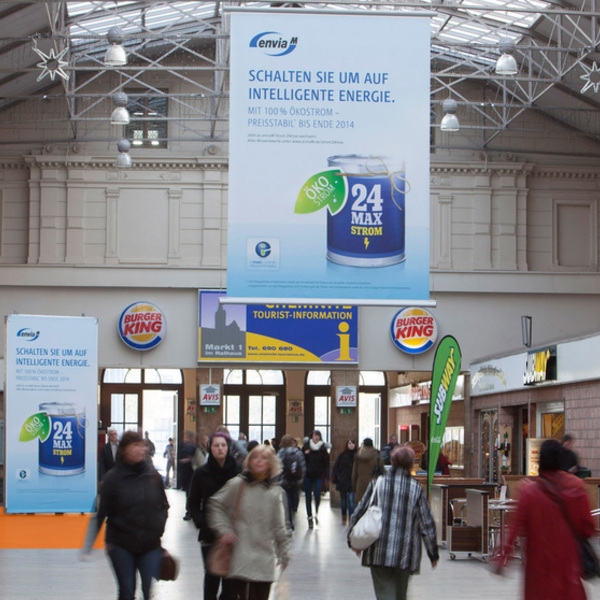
(369, 231)
(63, 452)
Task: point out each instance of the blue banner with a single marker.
(276, 333)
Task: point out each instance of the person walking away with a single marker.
(218, 469)
(386, 453)
(568, 458)
(259, 534)
(317, 466)
(169, 454)
(550, 511)
(108, 454)
(292, 475)
(150, 447)
(342, 479)
(367, 464)
(406, 520)
(186, 469)
(135, 507)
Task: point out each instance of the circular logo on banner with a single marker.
(142, 326)
(414, 330)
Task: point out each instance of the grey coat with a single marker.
(406, 519)
(260, 527)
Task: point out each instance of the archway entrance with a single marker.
(144, 400)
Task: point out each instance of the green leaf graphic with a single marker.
(37, 425)
(327, 188)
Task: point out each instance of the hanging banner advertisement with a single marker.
(329, 157)
(276, 333)
(51, 413)
(446, 369)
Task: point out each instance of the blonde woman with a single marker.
(258, 530)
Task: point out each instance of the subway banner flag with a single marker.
(446, 368)
(276, 333)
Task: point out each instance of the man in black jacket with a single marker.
(108, 454)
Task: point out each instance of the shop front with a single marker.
(544, 392)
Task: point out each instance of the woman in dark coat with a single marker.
(317, 467)
(367, 465)
(134, 504)
(342, 478)
(218, 469)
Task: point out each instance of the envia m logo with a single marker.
(272, 43)
(29, 335)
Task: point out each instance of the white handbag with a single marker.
(367, 529)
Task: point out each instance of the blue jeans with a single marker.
(125, 564)
(312, 486)
(293, 498)
(347, 502)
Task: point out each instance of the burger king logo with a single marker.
(414, 330)
(142, 326)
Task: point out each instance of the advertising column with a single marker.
(51, 413)
(329, 156)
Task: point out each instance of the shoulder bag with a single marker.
(367, 529)
(169, 566)
(590, 566)
(219, 557)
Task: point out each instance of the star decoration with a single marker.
(52, 64)
(592, 78)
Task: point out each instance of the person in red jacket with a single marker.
(552, 562)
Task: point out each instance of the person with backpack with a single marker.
(292, 474)
(342, 479)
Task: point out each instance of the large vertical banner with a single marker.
(51, 413)
(446, 369)
(329, 156)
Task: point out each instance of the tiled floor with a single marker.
(322, 568)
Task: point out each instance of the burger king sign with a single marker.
(414, 330)
(142, 326)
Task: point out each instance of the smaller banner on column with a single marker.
(51, 413)
(446, 369)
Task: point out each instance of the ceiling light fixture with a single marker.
(115, 54)
(506, 63)
(450, 121)
(120, 115)
(123, 160)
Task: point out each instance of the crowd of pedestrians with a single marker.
(243, 496)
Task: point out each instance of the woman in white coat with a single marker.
(258, 532)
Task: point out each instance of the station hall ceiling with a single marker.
(557, 48)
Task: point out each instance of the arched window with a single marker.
(171, 376)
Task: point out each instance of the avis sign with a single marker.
(346, 396)
(210, 395)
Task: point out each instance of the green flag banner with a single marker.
(446, 368)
